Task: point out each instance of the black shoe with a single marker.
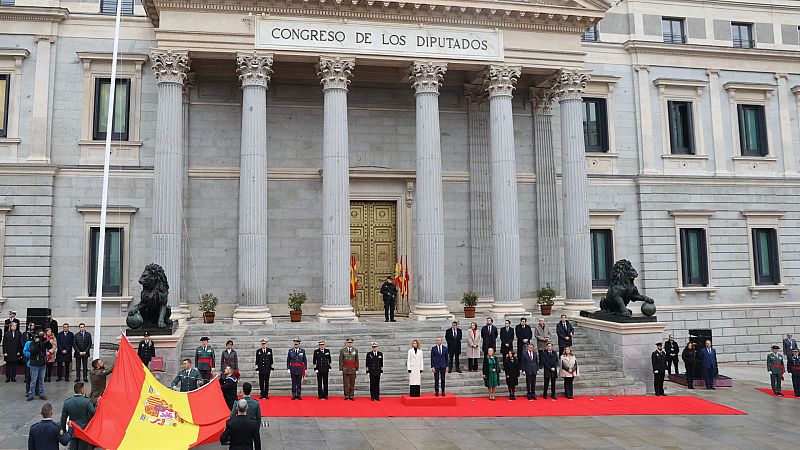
(780, 393)
(392, 320)
(544, 396)
(386, 320)
(28, 399)
(8, 381)
(299, 397)
(691, 387)
(58, 379)
(85, 380)
(459, 371)
(713, 388)
(553, 397)
(436, 394)
(13, 380)
(533, 398)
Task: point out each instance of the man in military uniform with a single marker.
(80, 410)
(348, 365)
(322, 366)
(188, 379)
(389, 293)
(775, 368)
(146, 350)
(204, 358)
(794, 369)
(264, 366)
(12, 318)
(296, 364)
(374, 365)
(659, 361)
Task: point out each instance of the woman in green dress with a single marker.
(491, 372)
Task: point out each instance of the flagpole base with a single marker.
(432, 312)
(252, 314)
(329, 314)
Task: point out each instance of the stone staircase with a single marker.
(599, 376)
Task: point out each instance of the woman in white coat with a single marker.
(474, 344)
(414, 365)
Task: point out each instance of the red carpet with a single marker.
(787, 393)
(502, 407)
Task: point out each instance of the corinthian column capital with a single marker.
(570, 84)
(335, 72)
(170, 66)
(499, 80)
(427, 76)
(253, 68)
(542, 99)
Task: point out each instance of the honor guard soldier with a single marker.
(659, 361)
(146, 350)
(204, 358)
(348, 365)
(264, 366)
(188, 378)
(776, 368)
(322, 366)
(296, 364)
(794, 369)
(374, 365)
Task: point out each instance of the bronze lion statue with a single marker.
(153, 309)
(621, 290)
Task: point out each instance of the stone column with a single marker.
(428, 270)
(480, 213)
(39, 148)
(170, 68)
(184, 308)
(789, 158)
(254, 70)
(500, 81)
(577, 252)
(335, 73)
(548, 235)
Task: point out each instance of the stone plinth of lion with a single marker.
(621, 290)
(153, 309)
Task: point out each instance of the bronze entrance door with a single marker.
(373, 241)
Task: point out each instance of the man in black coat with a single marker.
(549, 365)
(46, 435)
(530, 365)
(453, 337)
(264, 367)
(506, 339)
(672, 350)
(489, 336)
(146, 350)
(82, 346)
(322, 367)
(65, 341)
(524, 334)
(389, 292)
(374, 365)
(565, 332)
(12, 351)
(240, 432)
(659, 360)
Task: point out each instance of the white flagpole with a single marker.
(101, 252)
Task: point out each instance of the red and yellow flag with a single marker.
(137, 411)
(353, 277)
(406, 278)
(398, 275)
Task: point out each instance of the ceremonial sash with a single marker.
(208, 361)
(351, 364)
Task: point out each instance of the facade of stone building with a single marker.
(259, 144)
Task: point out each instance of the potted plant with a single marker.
(469, 300)
(544, 297)
(296, 300)
(208, 304)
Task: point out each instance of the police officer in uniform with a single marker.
(374, 365)
(188, 378)
(296, 364)
(348, 365)
(264, 366)
(146, 350)
(322, 366)
(794, 368)
(776, 368)
(389, 292)
(204, 358)
(659, 361)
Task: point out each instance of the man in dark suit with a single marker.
(46, 435)
(146, 350)
(65, 341)
(489, 336)
(82, 346)
(80, 410)
(530, 365)
(549, 364)
(672, 350)
(565, 331)
(789, 344)
(439, 365)
(453, 339)
(264, 366)
(12, 351)
(708, 358)
(506, 339)
(389, 293)
(524, 334)
(240, 432)
(659, 361)
(374, 365)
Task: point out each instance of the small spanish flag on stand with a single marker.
(137, 411)
(353, 277)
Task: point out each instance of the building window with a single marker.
(121, 107)
(681, 128)
(6, 2)
(4, 92)
(753, 130)
(765, 256)
(694, 257)
(595, 124)
(110, 7)
(112, 262)
(742, 34)
(602, 257)
(591, 34)
(672, 30)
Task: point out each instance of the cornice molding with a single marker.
(680, 82)
(711, 51)
(484, 13)
(14, 53)
(33, 14)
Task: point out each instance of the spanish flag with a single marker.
(398, 275)
(353, 277)
(137, 411)
(406, 279)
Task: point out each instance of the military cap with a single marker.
(774, 347)
(147, 333)
(349, 340)
(263, 341)
(374, 344)
(297, 339)
(321, 342)
(204, 338)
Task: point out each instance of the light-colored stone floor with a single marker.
(771, 423)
